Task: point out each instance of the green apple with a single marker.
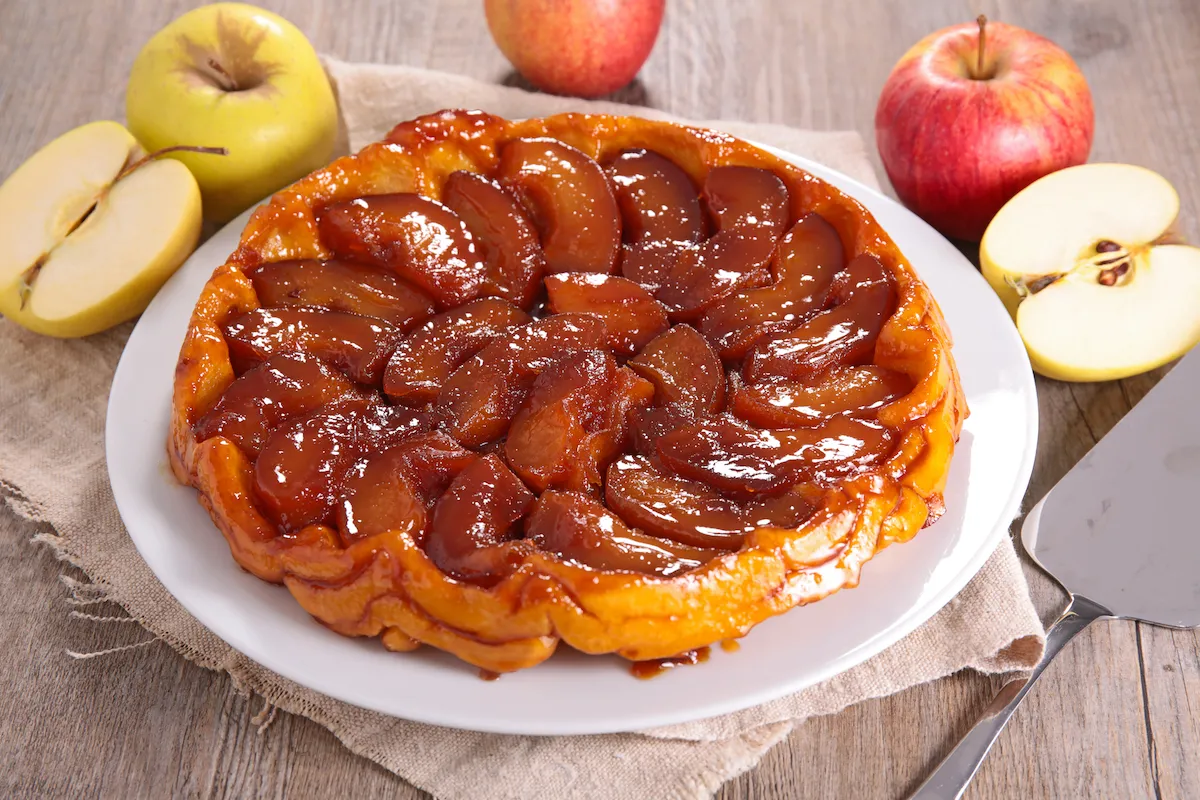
(1080, 259)
(234, 76)
(89, 231)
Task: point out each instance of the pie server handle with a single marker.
(950, 779)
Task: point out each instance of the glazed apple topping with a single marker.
(631, 315)
(856, 391)
(570, 200)
(732, 456)
(648, 263)
(473, 375)
(803, 267)
(739, 197)
(419, 238)
(658, 202)
(296, 474)
(506, 236)
(479, 400)
(282, 387)
(473, 523)
(580, 529)
(684, 370)
(648, 425)
(671, 507)
(864, 296)
(700, 276)
(360, 346)
(342, 286)
(424, 359)
(394, 490)
(574, 422)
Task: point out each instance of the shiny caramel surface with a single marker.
(494, 385)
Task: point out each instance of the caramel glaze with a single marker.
(645, 670)
(738, 422)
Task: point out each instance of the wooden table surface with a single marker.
(1117, 715)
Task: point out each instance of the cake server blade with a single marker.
(1121, 534)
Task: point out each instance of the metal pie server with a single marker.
(1120, 532)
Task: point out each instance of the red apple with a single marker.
(580, 47)
(973, 114)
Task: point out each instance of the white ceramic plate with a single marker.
(571, 693)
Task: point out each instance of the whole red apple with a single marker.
(580, 47)
(973, 114)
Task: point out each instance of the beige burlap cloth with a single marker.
(52, 471)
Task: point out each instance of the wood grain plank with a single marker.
(147, 723)
(1172, 674)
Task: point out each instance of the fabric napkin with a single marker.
(52, 472)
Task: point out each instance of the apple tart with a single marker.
(628, 385)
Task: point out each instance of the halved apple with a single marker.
(1081, 260)
(85, 241)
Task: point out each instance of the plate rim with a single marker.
(912, 619)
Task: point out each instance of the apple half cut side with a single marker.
(1080, 260)
(84, 242)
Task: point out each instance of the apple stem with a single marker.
(222, 76)
(179, 148)
(982, 21)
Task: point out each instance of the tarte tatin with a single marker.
(628, 385)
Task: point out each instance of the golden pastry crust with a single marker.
(386, 586)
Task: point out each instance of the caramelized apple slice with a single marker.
(570, 201)
(673, 508)
(648, 425)
(424, 360)
(803, 265)
(684, 370)
(738, 197)
(296, 475)
(507, 238)
(342, 286)
(381, 427)
(649, 264)
(394, 489)
(788, 510)
(473, 521)
(706, 273)
(479, 400)
(632, 393)
(691, 513)
(565, 404)
(632, 316)
(359, 346)
(579, 529)
(282, 387)
(573, 424)
(657, 199)
(845, 334)
(856, 391)
(731, 456)
(419, 238)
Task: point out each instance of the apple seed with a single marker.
(1109, 277)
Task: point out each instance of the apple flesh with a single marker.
(959, 135)
(1077, 259)
(85, 242)
(585, 48)
(234, 76)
